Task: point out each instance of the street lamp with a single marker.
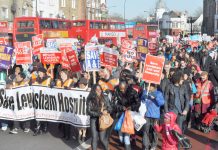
(124, 13)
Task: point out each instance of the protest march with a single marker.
(108, 89)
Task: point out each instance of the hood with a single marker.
(172, 116)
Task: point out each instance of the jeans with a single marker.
(96, 133)
(150, 137)
(4, 124)
(124, 138)
(181, 121)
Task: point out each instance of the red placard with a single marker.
(3, 26)
(64, 49)
(153, 69)
(51, 57)
(23, 52)
(73, 60)
(2, 41)
(37, 43)
(109, 57)
(126, 45)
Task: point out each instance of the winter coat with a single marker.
(163, 84)
(153, 105)
(128, 99)
(207, 89)
(170, 98)
(169, 141)
(94, 109)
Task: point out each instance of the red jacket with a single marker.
(169, 142)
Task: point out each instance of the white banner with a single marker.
(44, 104)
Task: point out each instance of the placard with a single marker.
(92, 59)
(153, 69)
(23, 52)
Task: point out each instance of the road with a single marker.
(53, 141)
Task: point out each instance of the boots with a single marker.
(127, 147)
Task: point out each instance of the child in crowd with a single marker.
(169, 141)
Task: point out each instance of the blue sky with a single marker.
(137, 7)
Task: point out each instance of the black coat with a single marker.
(94, 109)
(128, 99)
(170, 98)
(208, 65)
(163, 85)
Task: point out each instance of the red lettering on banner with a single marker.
(51, 58)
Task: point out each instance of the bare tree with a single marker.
(198, 12)
(115, 17)
(139, 19)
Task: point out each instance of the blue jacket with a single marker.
(153, 105)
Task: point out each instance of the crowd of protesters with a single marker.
(186, 93)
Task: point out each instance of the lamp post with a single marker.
(124, 13)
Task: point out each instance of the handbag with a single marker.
(128, 125)
(184, 142)
(119, 122)
(105, 121)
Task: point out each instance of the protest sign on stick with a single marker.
(153, 69)
(23, 52)
(51, 57)
(37, 43)
(5, 56)
(126, 45)
(142, 48)
(109, 57)
(92, 59)
(129, 56)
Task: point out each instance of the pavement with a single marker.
(53, 141)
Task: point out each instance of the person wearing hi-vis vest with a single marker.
(18, 81)
(64, 82)
(44, 80)
(204, 96)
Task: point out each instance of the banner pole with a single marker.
(149, 84)
(94, 77)
(140, 71)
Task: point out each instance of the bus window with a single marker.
(139, 28)
(63, 25)
(54, 24)
(112, 26)
(25, 24)
(79, 23)
(104, 26)
(45, 24)
(152, 28)
(95, 25)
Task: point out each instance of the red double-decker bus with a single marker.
(105, 31)
(147, 31)
(26, 27)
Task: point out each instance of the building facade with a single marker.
(46, 8)
(173, 23)
(68, 9)
(96, 10)
(210, 17)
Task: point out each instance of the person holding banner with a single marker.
(95, 101)
(44, 80)
(65, 82)
(19, 80)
